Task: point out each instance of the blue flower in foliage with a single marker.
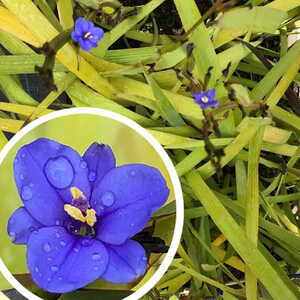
(79, 214)
(206, 99)
(87, 34)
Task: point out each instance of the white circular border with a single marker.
(168, 163)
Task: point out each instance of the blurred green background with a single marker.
(78, 132)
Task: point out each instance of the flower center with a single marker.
(88, 35)
(204, 99)
(79, 210)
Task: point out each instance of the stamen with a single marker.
(76, 193)
(75, 213)
(88, 35)
(204, 99)
(91, 217)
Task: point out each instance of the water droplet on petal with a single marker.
(86, 242)
(132, 173)
(31, 185)
(92, 176)
(96, 256)
(54, 268)
(96, 268)
(57, 235)
(59, 278)
(132, 224)
(144, 258)
(49, 279)
(76, 250)
(108, 199)
(26, 193)
(16, 160)
(83, 164)
(23, 155)
(36, 269)
(63, 243)
(59, 172)
(22, 177)
(47, 247)
(49, 259)
(57, 222)
(12, 234)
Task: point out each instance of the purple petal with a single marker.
(130, 184)
(44, 171)
(211, 94)
(98, 33)
(20, 225)
(81, 26)
(100, 159)
(85, 44)
(119, 226)
(75, 36)
(90, 26)
(60, 262)
(126, 262)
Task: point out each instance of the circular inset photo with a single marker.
(91, 207)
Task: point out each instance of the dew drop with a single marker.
(12, 234)
(57, 235)
(108, 199)
(16, 161)
(22, 177)
(31, 185)
(96, 268)
(132, 224)
(63, 243)
(23, 155)
(144, 258)
(132, 173)
(54, 268)
(47, 247)
(92, 176)
(49, 259)
(36, 269)
(57, 222)
(83, 164)
(49, 279)
(59, 172)
(76, 250)
(59, 278)
(96, 256)
(85, 242)
(26, 193)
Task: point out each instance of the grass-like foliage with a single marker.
(237, 162)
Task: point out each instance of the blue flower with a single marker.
(206, 99)
(87, 34)
(79, 214)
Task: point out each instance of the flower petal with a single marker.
(44, 171)
(98, 33)
(75, 36)
(126, 262)
(120, 225)
(100, 159)
(130, 184)
(81, 26)
(211, 94)
(20, 225)
(60, 262)
(85, 44)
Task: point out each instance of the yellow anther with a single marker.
(74, 212)
(76, 193)
(87, 35)
(204, 99)
(91, 217)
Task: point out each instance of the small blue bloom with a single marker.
(87, 34)
(219, 292)
(80, 213)
(206, 99)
